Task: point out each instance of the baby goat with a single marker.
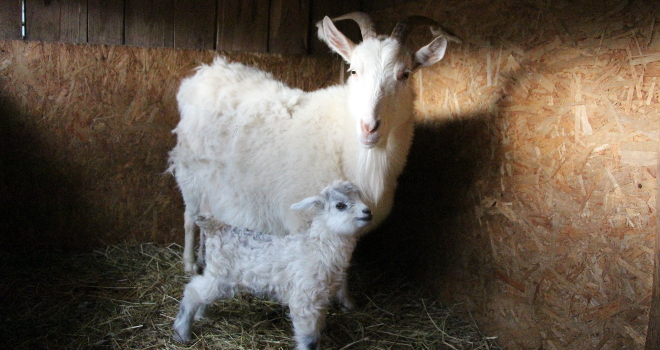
(303, 271)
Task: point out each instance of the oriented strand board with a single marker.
(552, 240)
(530, 193)
(84, 136)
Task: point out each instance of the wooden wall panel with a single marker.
(372, 5)
(243, 25)
(149, 23)
(56, 20)
(194, 24)
(375, 5)
(289, 26)
(10, 20)
(106, 22)
(73, 21)
(42, 20)
(277, 26)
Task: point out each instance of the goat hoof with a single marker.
(346, 304)
(181, 337)
(347, 307)
(193, 269)
(190, 268)
(311, 345)
(200, 266)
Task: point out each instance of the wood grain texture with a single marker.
(10, 20)
(56, 20)
(194, 24)
(73, 21)
(289, 26)
(243, 25)
(42, 20)
(149, 23)
(106, 22)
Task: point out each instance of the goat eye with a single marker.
(341, 206)
(353, 72)
(404, 75)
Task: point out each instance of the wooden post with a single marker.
(653, 333)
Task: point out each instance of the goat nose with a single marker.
(366, 211)
(376, 126)
(370, 129)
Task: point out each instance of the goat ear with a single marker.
(337, 41)
(309, 203)
(431, 53)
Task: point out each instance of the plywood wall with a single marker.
(542, 210)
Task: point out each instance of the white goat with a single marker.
(255, 145)
(302, 270)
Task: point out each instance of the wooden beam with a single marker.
(10, 20)
(653, 332)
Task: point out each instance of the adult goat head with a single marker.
(380, 68)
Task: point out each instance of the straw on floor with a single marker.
(125, 297)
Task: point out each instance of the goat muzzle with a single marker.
(369, 133)
(370, 128)
(368, 216)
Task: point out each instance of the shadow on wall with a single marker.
(427, 228)
(40, 202)
(433, 234)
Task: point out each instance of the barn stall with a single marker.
(528, 204)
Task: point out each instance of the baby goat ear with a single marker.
(309, 203)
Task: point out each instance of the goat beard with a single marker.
(372, 172)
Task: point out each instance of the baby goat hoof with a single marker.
(181, 338)
(191, 269)
(347, 307)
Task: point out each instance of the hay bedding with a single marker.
(126, 297)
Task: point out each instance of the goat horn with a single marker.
(404, 27)
(363, 20)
